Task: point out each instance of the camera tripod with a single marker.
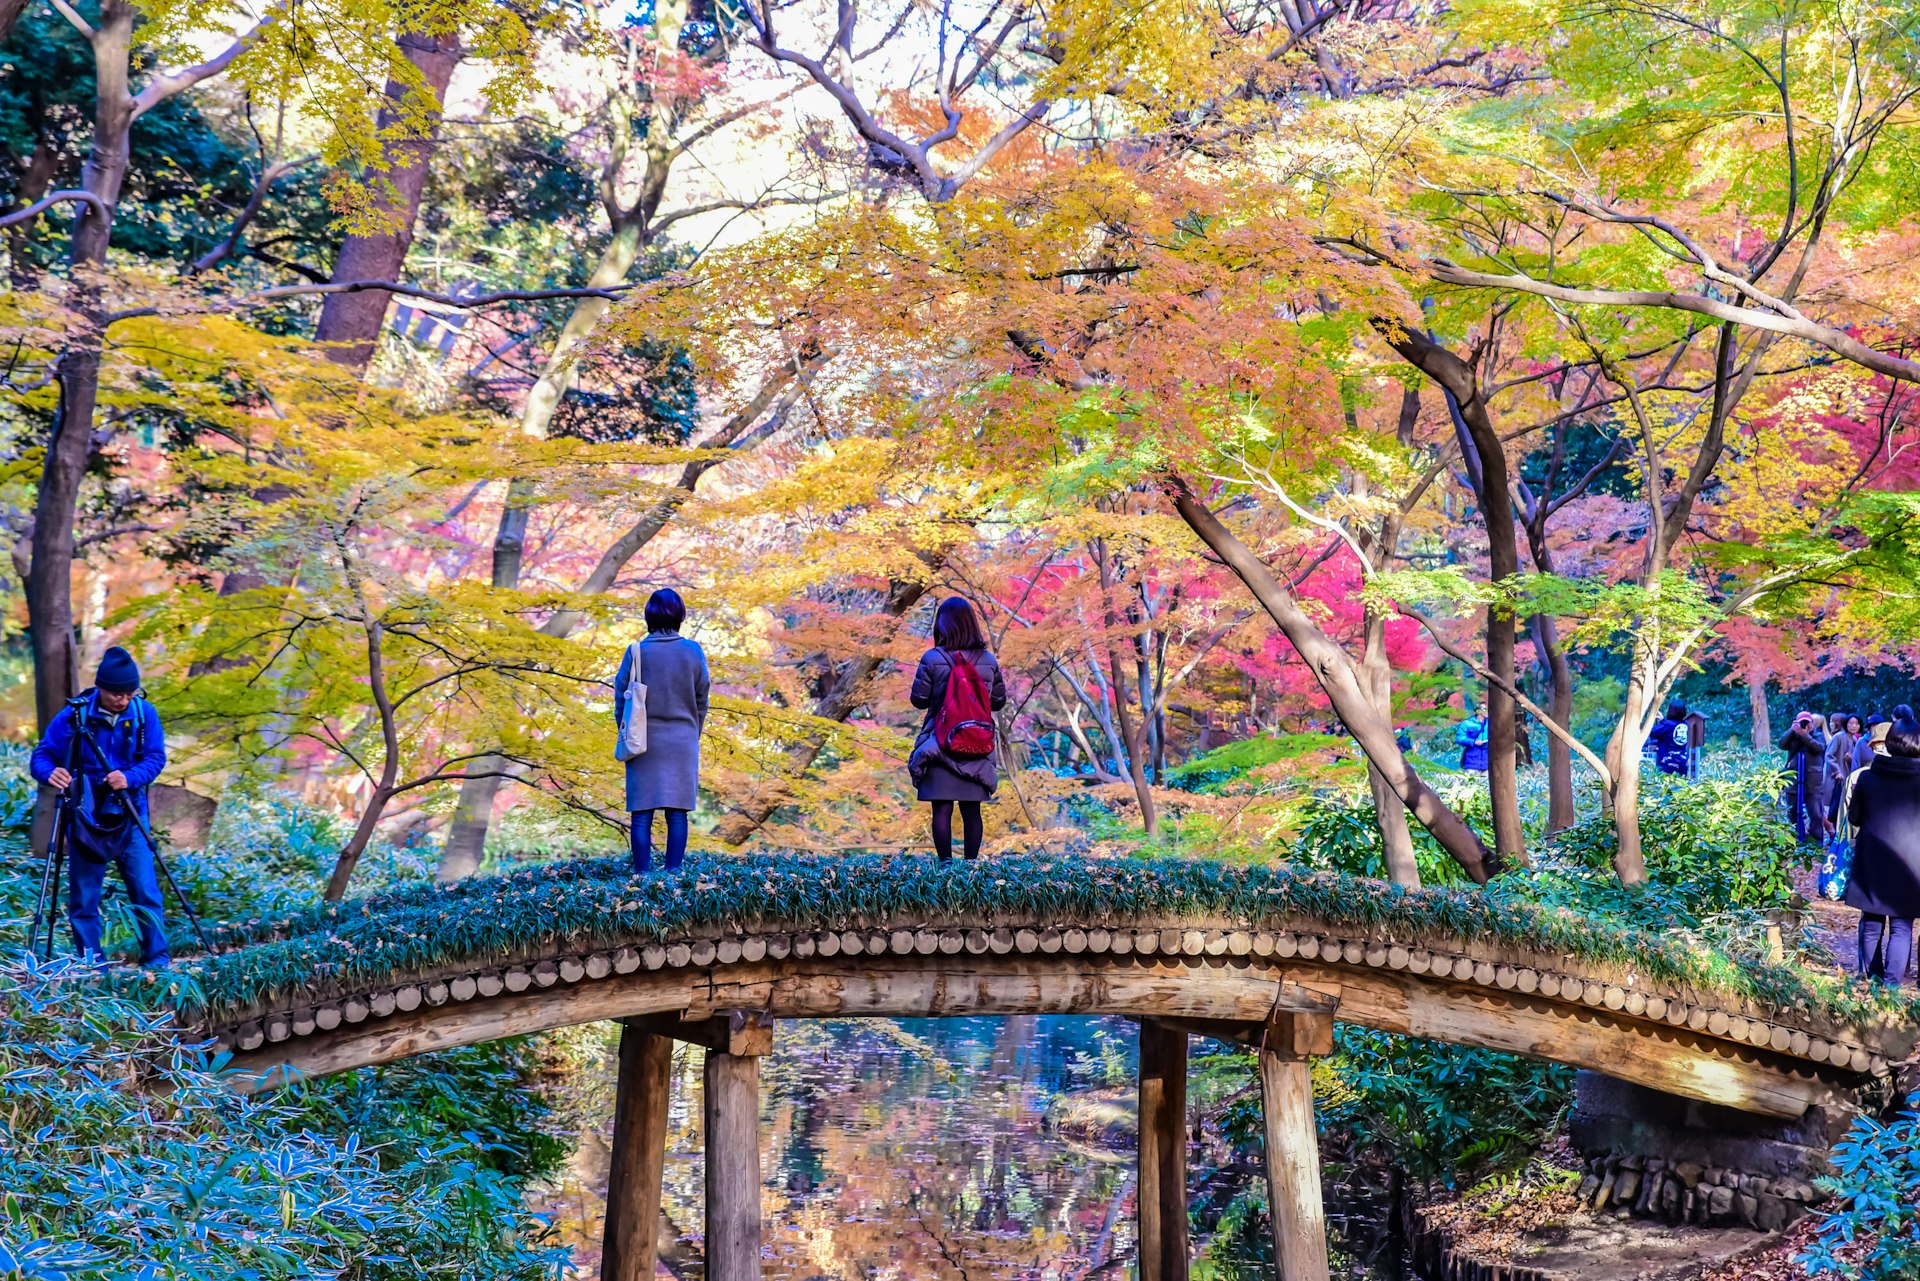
(46, 906)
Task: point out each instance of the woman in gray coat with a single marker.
(667, 775)
(944, 777)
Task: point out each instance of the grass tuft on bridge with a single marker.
(594, 903)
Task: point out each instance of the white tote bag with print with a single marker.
(633, 730)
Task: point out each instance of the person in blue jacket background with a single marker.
(1470, 736)
(126, 729)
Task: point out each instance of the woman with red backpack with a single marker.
(958, 684)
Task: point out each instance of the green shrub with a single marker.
(1716, 843)
(1876, 1189)
(1341, 834)
(1438, 1112)
(1230, 764)
(478, 1093)
(126, 1157)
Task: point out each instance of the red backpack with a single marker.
(964, 725)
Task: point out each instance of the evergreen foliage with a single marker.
(1438, 1112)
(125, 1156)
(1876, 1189)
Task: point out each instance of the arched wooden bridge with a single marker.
(1277, 980)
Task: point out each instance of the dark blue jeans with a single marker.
(86, 881)
(643, 839)
(1886, 946)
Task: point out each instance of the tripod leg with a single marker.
(56, 858)
(185, 906)
(167, 872)
(40, 909)
(59, 858)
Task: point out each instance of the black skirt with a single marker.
(941, 783)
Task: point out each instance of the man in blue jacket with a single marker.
(103, 786)
(1470, 736)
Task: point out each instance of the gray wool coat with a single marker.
(937, 776)
(674, 669)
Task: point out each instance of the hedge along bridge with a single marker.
(1266, 956)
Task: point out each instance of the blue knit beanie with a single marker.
(118, 673)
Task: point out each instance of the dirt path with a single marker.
(1837, 926)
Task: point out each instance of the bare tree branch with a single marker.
(51, 199)
(1795, 326)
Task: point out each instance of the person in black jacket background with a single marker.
(1885, 883)
(1670, 739)
(1806, 749)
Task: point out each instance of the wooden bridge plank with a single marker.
(1241, 989)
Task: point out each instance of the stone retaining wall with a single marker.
(1655, 1155)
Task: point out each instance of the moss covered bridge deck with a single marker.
(385, 978)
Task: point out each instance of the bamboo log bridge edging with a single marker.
(1691, 1043)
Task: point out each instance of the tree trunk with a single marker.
(1623, 760)
(1503, 762)
(1762, 722)
(383, 790)
(49, 580)
(1136, 750)
(1487, 470)
(351, 323)
(349, 856)
(1396, 838)
(1546, 639)
(467, 838)
(1131, 739)
(50, 573)
(556, 379)
(10, 11)
(1339, 679)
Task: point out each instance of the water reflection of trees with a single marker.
(903, 1150)
(917, 1149)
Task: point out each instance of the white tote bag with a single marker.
(633, 731)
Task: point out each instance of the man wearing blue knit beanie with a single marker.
(104, 750)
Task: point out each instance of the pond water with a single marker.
(960, 1149)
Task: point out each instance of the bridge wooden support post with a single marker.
(1162, 1187)
(733, 1149)
(629, 1250)
(1293, 1142)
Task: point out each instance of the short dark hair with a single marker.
(956, 626)
(1677, 710)
(1904, 738)
(665, 611)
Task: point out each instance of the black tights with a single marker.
(972, 827)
